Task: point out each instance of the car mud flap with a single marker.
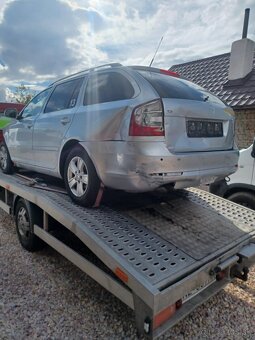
(99, 196)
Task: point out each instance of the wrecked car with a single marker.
(129, 128)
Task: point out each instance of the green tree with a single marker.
(23, 94)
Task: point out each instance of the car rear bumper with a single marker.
(144, 166)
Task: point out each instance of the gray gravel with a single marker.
(43, 296)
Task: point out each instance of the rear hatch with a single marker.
(194, 119)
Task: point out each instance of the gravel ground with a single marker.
(43, 296)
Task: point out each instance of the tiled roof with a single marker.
(212, 74)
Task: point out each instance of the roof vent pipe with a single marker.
(246, 22)
(242, 52)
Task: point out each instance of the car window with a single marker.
(64, 95)
(107, 87)
(170, 87)
(36, 104)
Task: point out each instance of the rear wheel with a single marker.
(26, 215)
(244, 198)
(81, 179)
(5, 159)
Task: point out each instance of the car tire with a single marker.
(26, 215)
(6, 164)
(80, 176)
(244, 198)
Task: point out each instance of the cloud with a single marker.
(40, 40)
(45, 38)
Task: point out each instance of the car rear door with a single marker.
(52, 124)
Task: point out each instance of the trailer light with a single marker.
(220, 276)
(178, 304)
(163, 316)
(121, 275)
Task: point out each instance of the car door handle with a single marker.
(65, 120)
(29, 126)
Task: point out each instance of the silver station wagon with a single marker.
(130, 128)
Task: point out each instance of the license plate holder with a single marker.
(204, 128)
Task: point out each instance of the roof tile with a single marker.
(212, 74)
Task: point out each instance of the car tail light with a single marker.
(1, 136)
(170, 73)
(147, 120)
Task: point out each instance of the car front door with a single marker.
(20, 134)
(51, 125)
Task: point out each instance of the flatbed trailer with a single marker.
(162, 254)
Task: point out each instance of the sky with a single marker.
(41, 40)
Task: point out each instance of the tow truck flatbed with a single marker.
(161, 253)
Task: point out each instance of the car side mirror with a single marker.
(11, 113)
(253, 149)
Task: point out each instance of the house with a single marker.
(230, 76)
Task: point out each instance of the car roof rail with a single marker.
(88, 70)
(105, 66)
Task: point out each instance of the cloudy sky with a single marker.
(43, 39)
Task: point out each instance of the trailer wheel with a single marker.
(244, 198)
(26, 215)
(6, 164)
(81, 179)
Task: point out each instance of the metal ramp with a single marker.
(196, 222)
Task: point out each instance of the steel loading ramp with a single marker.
(196, 222)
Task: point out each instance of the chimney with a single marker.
(242, 52)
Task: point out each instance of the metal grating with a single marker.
(242, 217)
(196, 222)
(147, 253)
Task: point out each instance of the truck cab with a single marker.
(240, 186)
(10, 109)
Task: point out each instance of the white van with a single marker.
(240, 187)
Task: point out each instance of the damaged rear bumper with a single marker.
(144, 166)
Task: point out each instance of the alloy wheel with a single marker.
(77, 176)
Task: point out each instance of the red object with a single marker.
(1, 136)
(163, 316)
(146, 120)
(17, 106)
(121, 275)
(170, 73)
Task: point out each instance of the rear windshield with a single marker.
(170, 87)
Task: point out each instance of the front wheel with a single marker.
(247, 199)
(5, 159)
(81, 179)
